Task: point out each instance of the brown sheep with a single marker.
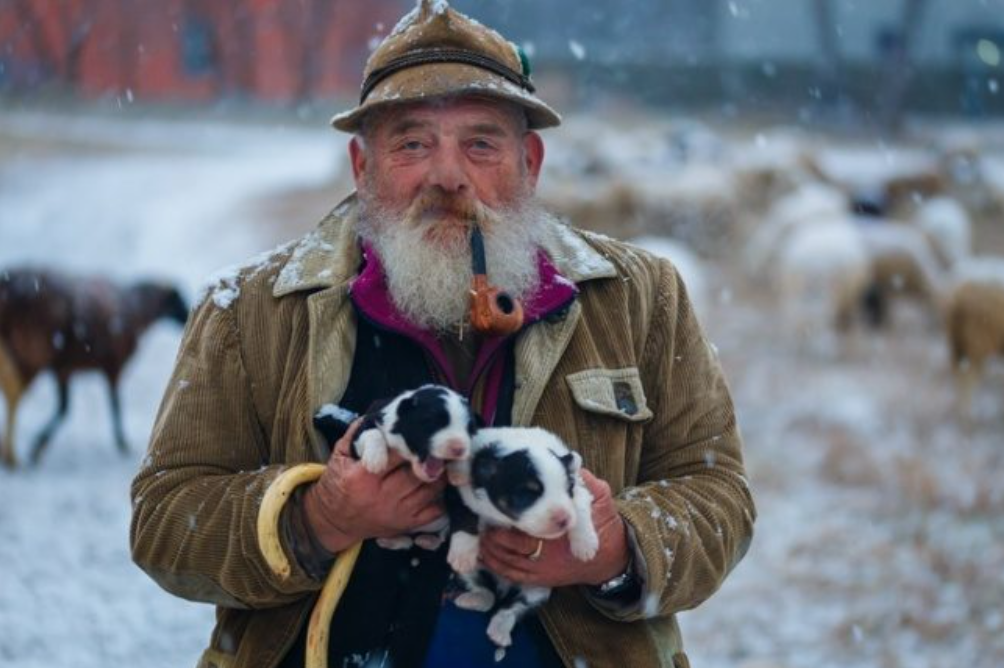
(975, 334)
(903, 265)
(49, 321)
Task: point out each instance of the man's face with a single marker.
(442, 160)
(425, 175)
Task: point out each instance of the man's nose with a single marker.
(447, 171)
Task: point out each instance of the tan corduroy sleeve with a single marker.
(196, 498)
(691, 513)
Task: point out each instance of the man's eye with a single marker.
(413, 145)
(482, 145)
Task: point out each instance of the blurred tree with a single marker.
(128, 49)
(897, 64)
(77, 25)
(831, 84)
(317, 21)
(59, 48)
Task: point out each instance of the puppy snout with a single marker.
(456, 450)
(561, 520)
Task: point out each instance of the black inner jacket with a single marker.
(392, 601)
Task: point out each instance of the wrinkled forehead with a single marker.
(448, 112)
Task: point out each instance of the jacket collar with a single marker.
(330, 255)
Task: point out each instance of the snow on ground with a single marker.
(880, 538)
(130, 199)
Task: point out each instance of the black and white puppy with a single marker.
(528, 479)
(428, 427)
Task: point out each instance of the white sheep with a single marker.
(811, 202)
(820, 273)
(948, 227)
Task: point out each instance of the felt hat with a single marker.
(436, 51)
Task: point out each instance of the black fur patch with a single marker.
(568, 461)
(420, 416)
(506, 594)
(512, 482)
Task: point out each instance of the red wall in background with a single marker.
(274, 50)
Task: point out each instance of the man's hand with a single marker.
(349, 504)
(507, 551)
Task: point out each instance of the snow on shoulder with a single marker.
(224, 286)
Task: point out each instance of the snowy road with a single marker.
(131, 199)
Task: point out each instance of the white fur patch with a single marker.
(464, 550)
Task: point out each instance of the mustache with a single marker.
(435, 204)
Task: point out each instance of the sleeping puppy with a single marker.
(427, 426)
(528, 479)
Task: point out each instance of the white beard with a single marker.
(430, 284)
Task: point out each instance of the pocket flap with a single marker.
(614, 392)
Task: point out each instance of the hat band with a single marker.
(429, 56)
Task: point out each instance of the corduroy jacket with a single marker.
(625, 376)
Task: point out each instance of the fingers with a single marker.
(508, 564)
(597, 487)
(511, 541)
(428, 514)
(343, 446)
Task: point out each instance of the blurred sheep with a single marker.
(975, 325)
(809, 203)
(690, 267)
(914, 260)
(902, 265)
(613, 208)
(820, 272)
(698, 205)
(63, 324)
(948, 228)
(776, 164)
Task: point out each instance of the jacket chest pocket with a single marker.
(609, 422)
(616, 393)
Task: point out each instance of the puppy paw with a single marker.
(583, 542)
(458, 473)
(429, 541)
(500, 628)
(480, 600)
(463, 555)
(373, 450)
(395, 543)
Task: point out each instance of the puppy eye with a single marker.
(522, 499)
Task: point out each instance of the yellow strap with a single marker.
(271, 507)
(271, 547)
(324, 609)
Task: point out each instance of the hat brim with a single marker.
(426, 82)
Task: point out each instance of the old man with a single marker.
(608, 355)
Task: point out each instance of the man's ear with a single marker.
(533, 154)
(357, 156)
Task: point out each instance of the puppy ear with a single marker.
(475, 423)
(331, 428)
(572, 462)
(406, 405)
(484, 466)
